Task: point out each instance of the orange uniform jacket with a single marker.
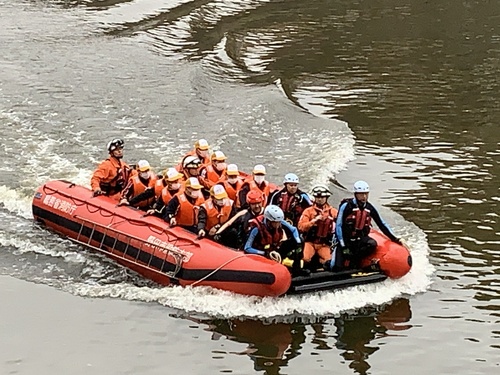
(110, 176)
(320, 231)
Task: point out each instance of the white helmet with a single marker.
(274, 213)
(114, 144)
(361, 187)
(191, 162)
(321, 191)
(291, 178)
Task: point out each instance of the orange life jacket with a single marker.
(216, 216)
(187, 213)
(139, 188)
(232, 189)
(166, 196)
(160, 184)
(211, 177)
(322, 232)
(253, 186)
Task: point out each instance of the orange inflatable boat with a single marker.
(174, 256)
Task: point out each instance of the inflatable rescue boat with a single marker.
(174, 256)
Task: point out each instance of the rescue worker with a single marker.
(234, 233)
(168, 186)
(353, 226)
(232, 181)
(213, 173)
(156, 191)
(291, 199)
(182, 210)
(191, 167)
(137, 184)
(216, 211)
(201, 151)
(274, 238)
(112, 174)
(257, 181)
(317, 224)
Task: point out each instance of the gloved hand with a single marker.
(346, 252)
(274, 255)
(97, 192)
(201, 233)
(123, 202)
(173, 222)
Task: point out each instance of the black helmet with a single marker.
(321, 191)
(114, 144)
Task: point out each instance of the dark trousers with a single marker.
(358, 249)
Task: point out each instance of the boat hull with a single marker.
(174, 256)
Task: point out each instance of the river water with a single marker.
(402, 93)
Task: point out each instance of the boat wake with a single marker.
(37, 255)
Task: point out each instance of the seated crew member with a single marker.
(111, 175)
(191, 167)
(156, 191)
(291, 199)
(317, 225)
(255, 182)
(216, 210)
(137, 184)
(201, 151)
(182, 210)
(213, 173)
(232, 181)
(234, 233)
(169, 185)
(353, 228)
(275, 238)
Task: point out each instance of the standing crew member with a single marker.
(111, 175)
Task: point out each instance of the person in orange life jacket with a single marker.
(352, 230)
(232, 182)
(213, 173)
(163, 191)
(235, 231)
(216, 211)
(291, 199)
(273, 237)
(317, 224)
(112, 174)
(256, 182)
(182, 210)
(144, 179)
(201, 151)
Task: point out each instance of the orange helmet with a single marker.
(254, 196)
